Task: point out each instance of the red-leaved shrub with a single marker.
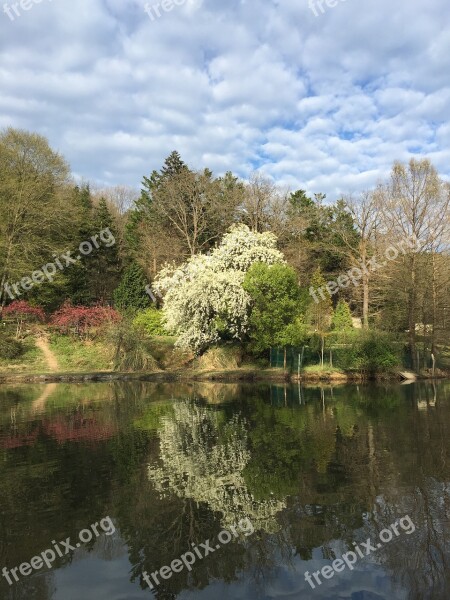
(21, 310)
(81, 319)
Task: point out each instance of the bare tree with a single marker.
(261, 196)
(416, 205)
(359, 249)
(197, 207)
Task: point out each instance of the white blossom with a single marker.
(204, 298)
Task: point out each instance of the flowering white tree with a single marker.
(204, 300)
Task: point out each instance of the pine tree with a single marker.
(104, 262)
(173, 166)
(131, 294)
(78, 290)
(342, 318)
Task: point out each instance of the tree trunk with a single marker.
(412, 313)
(433, 307)
(365, 283)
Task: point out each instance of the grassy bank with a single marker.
(53, 357)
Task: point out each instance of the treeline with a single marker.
(181, 213)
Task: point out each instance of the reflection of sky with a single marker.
(365, 582)
(96, 579)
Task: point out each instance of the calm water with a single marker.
(312, 470)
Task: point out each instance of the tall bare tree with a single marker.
(416, 205)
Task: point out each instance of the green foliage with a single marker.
(9, 347)
(342, 318)
(321, 306)
(370, 352)
(204, 301)
(150, 321)
(132, 351)
(131, 294)
(275, 305)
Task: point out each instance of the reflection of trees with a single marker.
(41, 587)
(203, 458)
(420, 561)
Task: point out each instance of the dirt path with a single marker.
(50, 357)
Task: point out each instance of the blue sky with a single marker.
(325, 103)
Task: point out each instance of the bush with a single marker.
(131, 348)
(22, 310)
(10, 348)
(371, 352)
(150, 321)
(80, 320)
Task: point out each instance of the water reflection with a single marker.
(314, 469)
(203, 458)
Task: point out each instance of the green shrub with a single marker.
(10, 348)
(131, 348)
(371, 351)
(150, 321)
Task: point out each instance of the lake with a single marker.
(230, 491)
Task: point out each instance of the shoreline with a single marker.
(232, 376)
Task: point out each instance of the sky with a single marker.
(322, 100)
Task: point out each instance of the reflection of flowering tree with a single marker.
(203, 458)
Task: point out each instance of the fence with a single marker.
(341, 356)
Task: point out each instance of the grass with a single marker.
(78, 355)
(72, 355)
(31, 361)
(326, 368)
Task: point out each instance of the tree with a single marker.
(194, 209)
(321, 310)
(78, 289)
(416, 206)
(36, 214)
(260, 197)
(366, 213)
(104, 263)
(342, 317)
(311, 237)
(130, 293)
(204, 301)
(275, 305)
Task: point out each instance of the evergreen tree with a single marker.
(131, 294)
(104, 262)
(342, 318)
(173, 166)
(78, 282)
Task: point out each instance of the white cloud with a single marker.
(322, 103)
